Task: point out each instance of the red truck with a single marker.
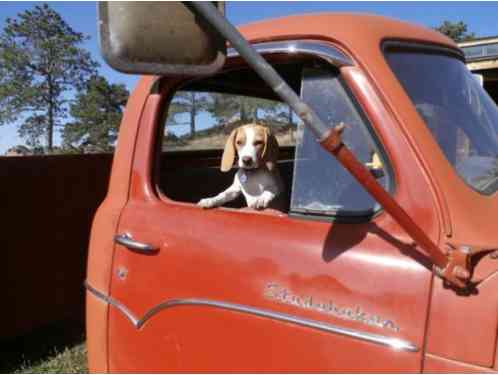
(338, 281)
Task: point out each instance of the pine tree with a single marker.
(228, 108)
(456, 31)
(189, 103)
(41, 61)
(96, 113)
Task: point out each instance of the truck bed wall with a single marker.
(47, 210)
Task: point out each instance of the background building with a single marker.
(482, 58)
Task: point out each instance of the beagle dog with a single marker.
(258, 178)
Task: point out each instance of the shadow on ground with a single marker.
(58, 348)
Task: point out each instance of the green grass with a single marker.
(70, 361)
(55, 349)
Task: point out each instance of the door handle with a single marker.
(127, 241)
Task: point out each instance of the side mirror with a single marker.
(160, 38)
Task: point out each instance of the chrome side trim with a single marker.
(111, 301)
(324, 51)
(391, 342)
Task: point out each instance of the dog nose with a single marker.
(247, 160)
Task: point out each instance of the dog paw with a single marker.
(207, 203)
(262, 202)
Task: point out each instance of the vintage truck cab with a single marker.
(333, 282)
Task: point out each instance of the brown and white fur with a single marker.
(258, 178)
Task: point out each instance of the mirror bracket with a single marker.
(457, 271)
(462, 260)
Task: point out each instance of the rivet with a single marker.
(122, 273)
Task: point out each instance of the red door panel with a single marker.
(463, 326)
(231, 290)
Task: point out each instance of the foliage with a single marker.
(280, 112)
(228, 108)
(225, 107)
(96, 113)
(40, 63)
(188, 103)
(222, 112)
(456, 31)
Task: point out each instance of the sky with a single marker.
(481, 18)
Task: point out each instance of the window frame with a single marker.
(272, 51)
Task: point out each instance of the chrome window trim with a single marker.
(301, 47)
(390, 342)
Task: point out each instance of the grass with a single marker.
(54, 349)
(70, 361)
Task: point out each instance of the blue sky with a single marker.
(481, 18)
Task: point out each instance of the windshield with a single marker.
(460, 114)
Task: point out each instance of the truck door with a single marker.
(329, 284)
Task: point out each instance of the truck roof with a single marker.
(359, 33)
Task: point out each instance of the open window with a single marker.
(201, 114)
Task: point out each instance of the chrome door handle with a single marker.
(127, 241)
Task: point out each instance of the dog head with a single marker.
(255, 146)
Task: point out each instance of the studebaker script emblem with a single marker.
(281, 294)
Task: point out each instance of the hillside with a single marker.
(216, 136)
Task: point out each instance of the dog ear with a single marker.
(229, 152)
(270, 151)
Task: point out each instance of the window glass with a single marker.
(492, 49)
(461, 116)
(472, 52)
(487, 50)
(321, 184)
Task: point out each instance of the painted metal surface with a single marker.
(440, 365)
(310, 261)
(230, 255)
(471, 318)
(104, 227)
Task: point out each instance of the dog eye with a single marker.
(257, 143)
(239, 143)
